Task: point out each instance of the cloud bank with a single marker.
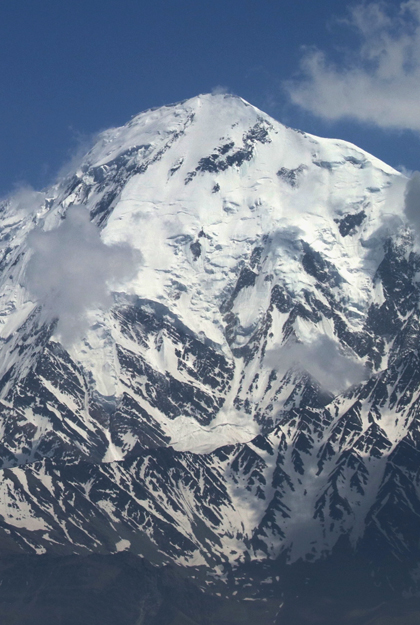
(380, 81)
(71, 270)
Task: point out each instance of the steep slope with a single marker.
(250, 388)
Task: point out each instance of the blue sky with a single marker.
(72, 68)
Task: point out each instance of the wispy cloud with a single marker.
(412, 202)
(82, 143)
(379, 82)
(323, 359)
(71, 270)
(220, 90)
(25, 198)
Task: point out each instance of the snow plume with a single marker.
(81, 144)
(323, 360)
(24, 198)
(71, 271)
(220, 90)
(412, 202)
(379, 83)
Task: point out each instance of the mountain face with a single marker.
(209, 338)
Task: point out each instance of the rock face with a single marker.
(250, 388)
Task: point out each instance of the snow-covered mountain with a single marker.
(209, 347)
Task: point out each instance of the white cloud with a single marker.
(71, 270)
(323, 359)
(379, 83)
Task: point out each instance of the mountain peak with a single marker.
(241, 378)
